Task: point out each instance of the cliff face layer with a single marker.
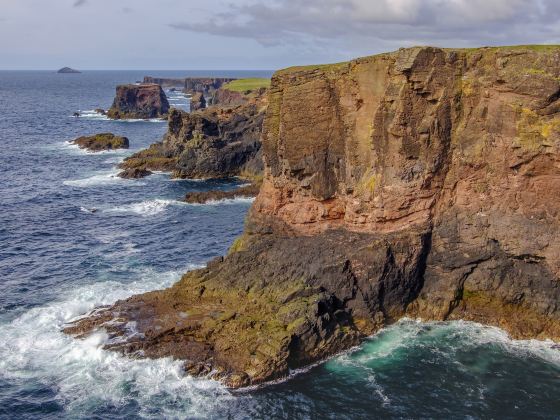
(422, 182)
(139, 102)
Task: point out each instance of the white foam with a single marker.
(226, 201)
(33, 348)
(116, 155)
(104, 178)
(93, 115)
(146, 208)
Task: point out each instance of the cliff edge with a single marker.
(423, 182)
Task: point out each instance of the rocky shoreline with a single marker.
(421, 183)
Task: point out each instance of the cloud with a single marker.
(79, 3)
(478, 22)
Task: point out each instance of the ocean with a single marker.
(73, 236)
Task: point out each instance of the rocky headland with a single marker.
(100, 142)
(205, 85)
(165, 81)
(214, 142)
(142, 101)
(423, 182)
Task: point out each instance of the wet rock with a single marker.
(201, 197)
(101, 141)
(134, 173)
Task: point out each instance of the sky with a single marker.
(254, 34)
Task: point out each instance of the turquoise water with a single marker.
(59, 260)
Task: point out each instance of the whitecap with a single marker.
(146, 208)
(225, 201)
(97, 116)
(94, 180)
(34, 349)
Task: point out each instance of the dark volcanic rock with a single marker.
(134, 173)
(139, 101)
(197, 101)
(67, 70)
(205, 85)
(102, 141)
(421, 183)
(164, 82)
(210, 143)
(201, 197)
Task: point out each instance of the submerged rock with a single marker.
(101, 141)
(421, 183)
(139, 102)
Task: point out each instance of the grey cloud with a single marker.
(422, 21)
(79, 3)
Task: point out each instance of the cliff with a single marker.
(164, 81)
(205, 85)
(422, 182)
(142, 101)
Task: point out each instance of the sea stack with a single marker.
(141, 101)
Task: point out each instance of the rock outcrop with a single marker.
(201, 197)
(68, 70)
(423, 182)
(164, 81)
(205, 85)
(101, 141)
(210, 143)
(197, 101)
(141, 101)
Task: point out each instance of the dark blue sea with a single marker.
(73, 236)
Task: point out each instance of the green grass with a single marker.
(243, 85)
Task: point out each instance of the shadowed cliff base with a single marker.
(422, 182)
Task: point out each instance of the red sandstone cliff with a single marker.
(423, 182)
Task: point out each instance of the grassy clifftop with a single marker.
(243, 85)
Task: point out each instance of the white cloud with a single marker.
(275, 22)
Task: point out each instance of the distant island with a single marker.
(68, 70)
